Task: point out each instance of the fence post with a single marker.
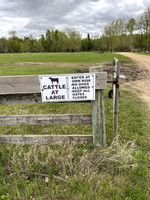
(98, 114)
(115, 96)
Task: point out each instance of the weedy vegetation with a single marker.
(40, 172)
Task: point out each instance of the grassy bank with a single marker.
(37, 172)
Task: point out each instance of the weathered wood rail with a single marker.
(26, 89)
(44, 119)
(46, 139)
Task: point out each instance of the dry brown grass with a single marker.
(71, 161)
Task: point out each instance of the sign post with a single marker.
(98, 114)
(115, 96)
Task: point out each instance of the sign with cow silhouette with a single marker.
(69, 87)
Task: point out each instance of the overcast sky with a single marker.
(86, 16)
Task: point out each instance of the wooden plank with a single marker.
(44, 119)
(29, 79)
(98, 115)
(100, 80)
(19, 84)
(30, 84)
(46, 139)
(7, 99)
(19, 89)
(20, 98)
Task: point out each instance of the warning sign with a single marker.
(53, 88)
(70, 87)
(81, 87)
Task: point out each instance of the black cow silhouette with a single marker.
(54, 80)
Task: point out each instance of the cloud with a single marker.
(87, 16)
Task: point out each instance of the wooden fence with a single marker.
(26, 89)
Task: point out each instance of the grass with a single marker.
(77, 58)
(38, 70)
(40, 172)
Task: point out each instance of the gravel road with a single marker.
(141, 87)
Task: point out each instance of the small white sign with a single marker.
(69, 87)
(53, 88)
(81, 87)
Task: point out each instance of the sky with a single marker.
(34, 17)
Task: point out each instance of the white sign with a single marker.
(53, 88)
(69, 87)
(81, 87)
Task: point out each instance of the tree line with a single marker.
(52, 41)
(131, 35)
(121, 35)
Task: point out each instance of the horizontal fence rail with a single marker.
(44, 119)
(8, 99)
(46, 139)
(19, 84)
(31, 84)
(26, 89)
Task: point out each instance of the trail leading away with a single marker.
(141, 87)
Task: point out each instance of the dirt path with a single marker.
(142, 87)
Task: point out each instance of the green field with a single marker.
(78, 58)
(38, 70)
(118, 172)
